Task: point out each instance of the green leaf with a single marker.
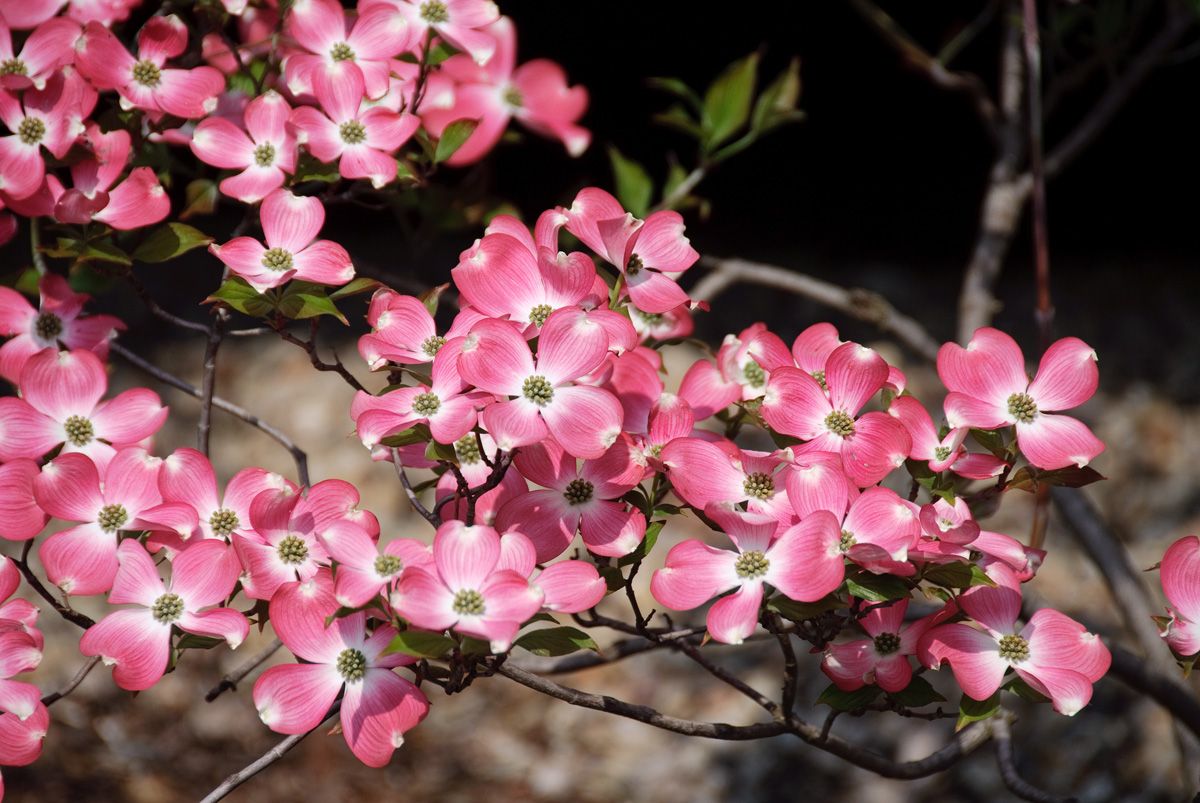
(474, 646)
(876, 587)
(308, 301)
(199, 198)
(958, 575)
(418, 434)
(613, 579)
(679, 89)
(169, 241)
(727, 101)
(992, 441)
(634, 187)
(777, 103)
(440, 451)
(453, 137)
(356, 287)
(432, 296)
(1023, 690)
(309, 168)
(421, 644)
(643, 549)
(972, 710)
(190, 641)
(1071, 476)
(678, 118)
(917, 693)
(555, 641)
(800, 611)
(855, 700)
(239, 295)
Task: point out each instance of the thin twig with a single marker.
(231, 680)
(72, 684)
(926, 65)
(265, 760)
(298, 454)
(433, 518)
(70, 614)
(1008, 768)
(964, 742)
(791, 668)
(310, 347)
(158, 311)
(862, 304)
(208, 386)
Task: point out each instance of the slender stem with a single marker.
(231, 680)
(72, 684)
(1008, 767)
(791, 667)
(432, 517)
(265, 760)
(35, 246)
(156, 310)
(215, 334)
(310, 347)
(71, 615)
(1041, 245)
(298, 454)
(862, 304)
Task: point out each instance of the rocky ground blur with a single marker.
(501, 742)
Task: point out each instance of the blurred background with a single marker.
(879, 187)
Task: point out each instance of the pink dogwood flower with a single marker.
(23, 518)
(508, 274)
(290, 224)
(139, 200)
(749, 358)
(442, 405)
(696, 572)
(265, 152)
(871, 445)
(50, 118)
(49, 47)
(57, 320)
(60, 405)
(989, 389)
(949, 522)
(403, 331)
(1053, 653)
(137, 641)
(536, 94)
(21, 738)
(882, 658)
(543, 397)
(650, 254)
(703, 472)
(579, 498)
(459, 22)
(378, 706)
(337, 48)
(124, 496)
(466, 590)
(707, 390)
(360, 138)
(568, 586)
(1180, 575)
(146, 82)
(364, 570)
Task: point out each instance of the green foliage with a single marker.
(169, 241)
(555, 641)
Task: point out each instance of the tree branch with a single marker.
(265, 760)
(231, 680)
(216, 333)
(864, 305)
(298, 454)
(433, 518)
(964, 742)
(1008, 768)
(72, 684)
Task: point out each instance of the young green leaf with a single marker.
(453, 137)
(633, 183)
(421, 644)
(727, 101)
(555, 641)
(840, 700)
(169, 241)
(972, 710)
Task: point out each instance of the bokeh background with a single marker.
(878, 188)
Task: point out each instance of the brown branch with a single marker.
(231, 680)
(791, 668)
(298, 454)
(1165, 689)
(927, 66)
(864, 305)
(262, 762)
(964, 742)
(68, 613)
(310, 347)
(158, 312)
(433, 518)
(1004, 198)
(216, 333)
(72, 684)
(1008, 768)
